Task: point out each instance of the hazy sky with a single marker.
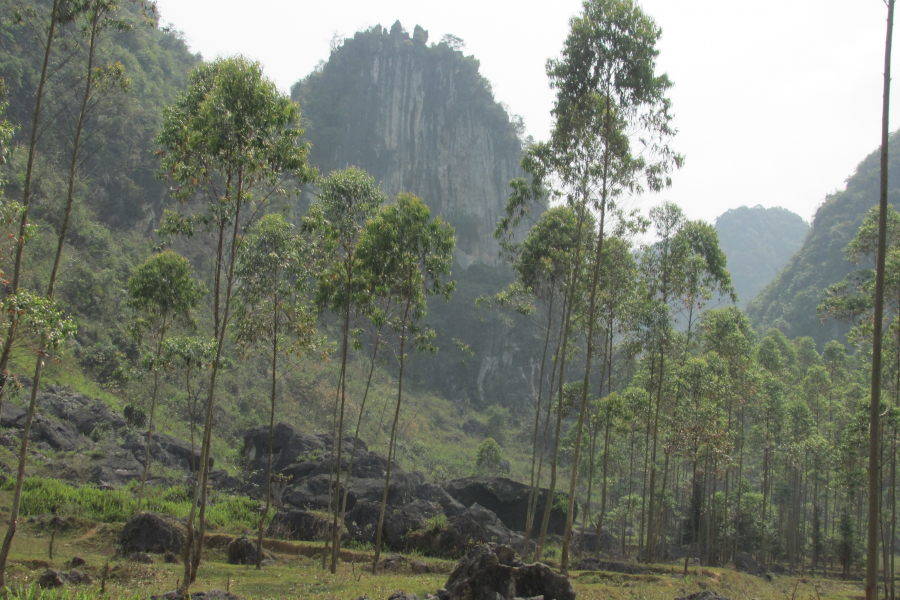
(776, 101)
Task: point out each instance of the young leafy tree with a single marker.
(94, 17)
(57, 16)
(543, 264)
(231, 140)
(274, 315)
(51, 329)
(162, 293)
(408, 255)
(190, 357)
(346, 200)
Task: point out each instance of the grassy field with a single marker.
(298, 574)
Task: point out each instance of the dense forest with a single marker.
(369, 315)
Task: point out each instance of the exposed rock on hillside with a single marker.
(508, 499)
(441, 521)
(420, 119)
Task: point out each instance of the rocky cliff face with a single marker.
(420, 119)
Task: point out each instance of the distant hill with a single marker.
(758, 241)
(789, 301)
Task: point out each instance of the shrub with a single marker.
(488, 458)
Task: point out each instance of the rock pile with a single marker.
(492, 572)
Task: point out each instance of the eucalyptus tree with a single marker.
(543, 262)
(728, 333)
(345, 202)
(93, 17)
(275, 316)
(609, 97)
(682, 269)
(50, 328)
(880, 261)
(230, 141)
(610, 413)
(608, 94)
(58, 15)
(190, 358)
(162, 293)
(699, 427)
(408, 255)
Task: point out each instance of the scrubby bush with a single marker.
(489, 457)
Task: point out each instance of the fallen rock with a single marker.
(117, 468)
(435, 493)
(778, 569)
(53, 578)
(10, 414)
(290, 445)
(242, 551)
(141, 557)
(152, 532)
(482, 575)
(311, 493)
(595, 564)
(507, 499)
(609, 545)
(400, 490)
(704, 595)
(171, 558)
(477, 525)
(401, 595)
(745, 563)
(77, 561)
(295, 524)
(77, 577)
(210, 595)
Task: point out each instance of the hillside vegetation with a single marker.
(789, 301)
(370, 316)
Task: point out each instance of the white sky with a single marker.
(776, 101)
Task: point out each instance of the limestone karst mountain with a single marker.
(420, 119)
(758, 242)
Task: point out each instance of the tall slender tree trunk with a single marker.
(534, 501)
(603, 488)
(589, 354)
(191, 557)
(23, 219)
(39, 363)
(570, 301)
(387, 475)
(265, 514)
(534, 484)
(875, 400)
(149, 431)
(362, 410)
(339, 440)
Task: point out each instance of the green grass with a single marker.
(34, 592)
(42, 496)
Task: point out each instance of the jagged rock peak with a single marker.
(419, 118)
